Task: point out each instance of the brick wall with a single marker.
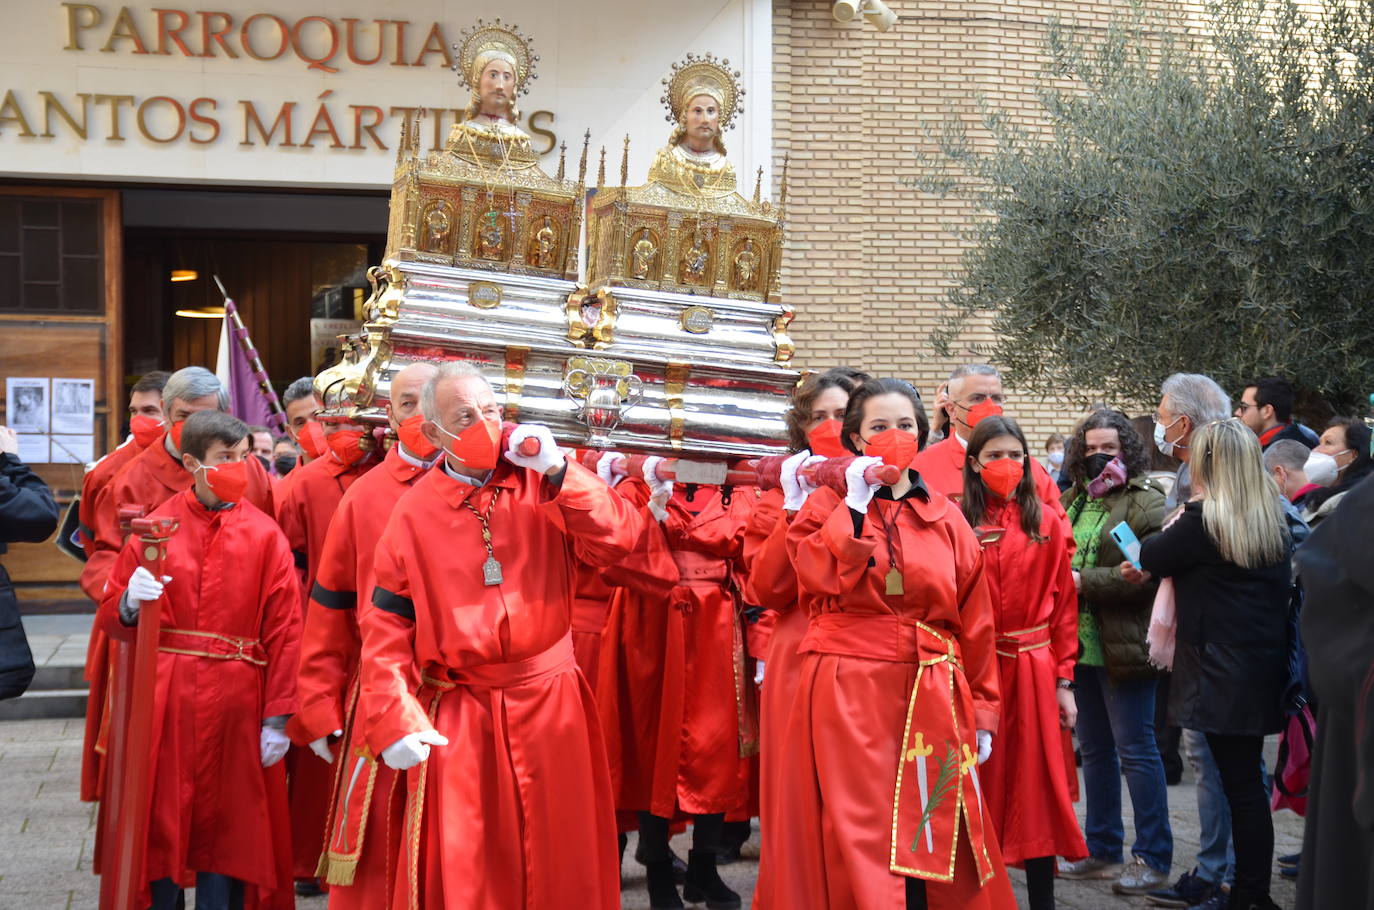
(869, 258)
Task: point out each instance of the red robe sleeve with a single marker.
(109, 540)
(122, 563)
(281, 629)
(1064, 617)
(828, 558)
(389, 707)
(978, 632)
(772, 580)
(290, 515)
(601, 526)
(650, 570)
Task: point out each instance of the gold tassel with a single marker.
(341, 871)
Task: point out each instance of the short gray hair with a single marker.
(191, 383)
(449, 370)
(1287, 452)
(973, 369)
(1196, 397)
(301, 388)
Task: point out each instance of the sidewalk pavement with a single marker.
(46, 834)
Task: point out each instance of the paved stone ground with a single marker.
(46, 834)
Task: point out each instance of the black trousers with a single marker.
(1252, 827)
(213, 892)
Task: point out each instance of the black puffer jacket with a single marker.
(1231, 657)
(28, 514)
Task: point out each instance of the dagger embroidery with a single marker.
(919, 753)
(970, 767)
(947, 775)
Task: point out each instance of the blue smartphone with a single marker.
(1130, 544)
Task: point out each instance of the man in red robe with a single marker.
(513, 807)
(147, 481)
(225, 681)
(974, 391)
(365, 820)
(305, 506)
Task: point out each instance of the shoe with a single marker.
(1291, 860)
(308, 887)
(733, 837)
(1217, 901)
(679, 867)
(704, 883)
(1090, 869)
(1240, 901)
(1139, 878)
(1188, 891)
(662, 890)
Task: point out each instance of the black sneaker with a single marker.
(1188, 891)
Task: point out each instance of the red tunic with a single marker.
(365, 818)
(672, 668)
(516, 811)
(148, 480)
(95, 480)
(892, 688)
(213, 804)
(1026, 781)
(304, 509)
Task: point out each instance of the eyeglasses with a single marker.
(974, 400)
(1245, 406)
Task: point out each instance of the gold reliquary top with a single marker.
(484, 202)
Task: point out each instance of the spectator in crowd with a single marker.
(1266, 406)
(1188, 401)
(284, 456)
(1346, 440)
(1163, 468)
(1108, 468)
(1286, 461)
(1227, 554)
(1054, 460)
(28, 514)
(261, 439)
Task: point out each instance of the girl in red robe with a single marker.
(1036, 608)
(881, 802)
(818, 406)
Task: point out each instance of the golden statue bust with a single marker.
(495, 62)
(703, 98)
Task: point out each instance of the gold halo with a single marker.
(703, 75)
(495, 36)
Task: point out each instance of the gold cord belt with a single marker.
(212, 645)
(1011, 644)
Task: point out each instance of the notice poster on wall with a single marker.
(26, 405)
(73, 406)
(72, 449)
(32, 449)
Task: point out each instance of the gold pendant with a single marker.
(894, 581)
(491, 572)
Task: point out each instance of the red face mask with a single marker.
(174, 431)
(985, 408)
(227, 481)
(311, 438)
(415, 441)
(478, 447)
(895, 447)
(825, 439)
(147, 430)
(1003, 476)
(344, 445)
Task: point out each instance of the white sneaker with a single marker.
(1090, 869)
(1139, 878)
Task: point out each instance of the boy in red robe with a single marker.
(225, 680)
(513, 806)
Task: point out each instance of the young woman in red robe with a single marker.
(881, 803)
(1036, 607)
(813, 423)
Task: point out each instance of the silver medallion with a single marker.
(491, 572)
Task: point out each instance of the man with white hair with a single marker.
(473, 598)
(974, 391)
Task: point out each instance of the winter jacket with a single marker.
(28, 514)
(1122, 609)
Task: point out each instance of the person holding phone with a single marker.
(1109, 470)
(1035, 606)
(1228, 556)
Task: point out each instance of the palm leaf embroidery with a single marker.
(945, 780)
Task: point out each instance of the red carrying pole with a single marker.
(131, 764)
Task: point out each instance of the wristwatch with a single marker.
(1068, 684)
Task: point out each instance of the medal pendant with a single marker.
(894, 581)
(491, 572)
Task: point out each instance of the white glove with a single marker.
(546, 461)
(603, 468)
(142, 588)
(984, 745)
(795, 486)
(660, 491)
(860, 492)
(411, 749)
(321, 747)
(758, 672)
(273, 744)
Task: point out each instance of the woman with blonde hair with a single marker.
(1227, 553)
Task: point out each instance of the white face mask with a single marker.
(1160, 443)
(1321, 469)
(1057, 457)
